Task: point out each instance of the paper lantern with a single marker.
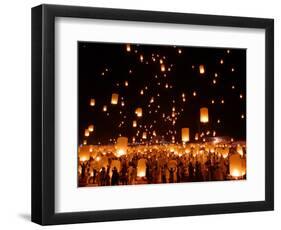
(104, 108)
(91, 128)
(201, 69)
(235, 165)
(196, 137)
(128, 48)
(87, 133)
(139, 112)
(239, 149)
(121, 146)
(134, 124)
(92, 102)
(163, 68)
(141, 168)
(114, 98)
(204, 116)
(144, 136)
(185, 134)
(85, 142)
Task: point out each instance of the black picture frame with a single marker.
(43, 110)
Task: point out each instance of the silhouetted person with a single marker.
(171, 176)
(115, 177)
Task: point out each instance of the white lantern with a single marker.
(114, 99)
(144, 136)
(104, 108)
(204, 116)
(128, 48)
(185, 135)
(141, 167)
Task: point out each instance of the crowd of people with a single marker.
(154, 168)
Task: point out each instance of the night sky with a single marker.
(104, 68)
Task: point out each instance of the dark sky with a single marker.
(104, 68)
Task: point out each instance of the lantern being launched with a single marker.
(204, 115)
(139, 112)
(121, 146)
(114, 99)
(235, 165)
(185, 135)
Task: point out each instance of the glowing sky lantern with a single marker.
(104, 109)
(239, 149)
(128, 48)
(139, 112)
(163, 68)
(144, 135)
(91, 128)
(204, 115)
(141, 167)
(134, 124)
(185, 134)
(92, 102)
(114, 98)
(235, 165)
(201, 69)
(121, 146)
(87, 133)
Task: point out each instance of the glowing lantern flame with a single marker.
(185, 135)
(204, 115)
(114, 99)
(104, 108)
(239, 149)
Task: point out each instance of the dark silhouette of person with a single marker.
(171, 176)
(102, 177)
(191, 171)
(115, 177)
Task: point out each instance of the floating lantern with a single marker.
(235, 165)
(185, 135)
(179, 51)
(92, 102)
(126, 83)
(144, 136)
(141, 92)
(239, 149)
(104, 108)
(141, 168)
(204, 116)
(87, 133)
(139, 112)
(241, 96)
(201, 69)
(114, 98)
(221, 61)
(134, 124)
(128, 48)
(194, 93)
(163, 68)
(91, 128)
(121, 146)
(85, 142)
(141, 58)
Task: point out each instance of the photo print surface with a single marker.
(157, 114)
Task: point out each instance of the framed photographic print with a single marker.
(141, 114)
